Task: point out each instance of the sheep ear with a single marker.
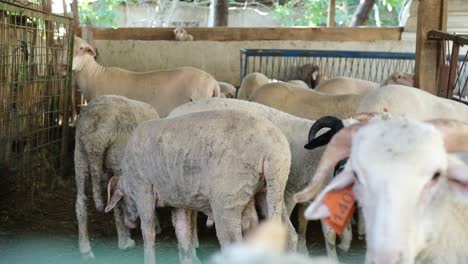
(457, 174)
(318, 209)
(90, 51)
(315, 75)
(114, 193)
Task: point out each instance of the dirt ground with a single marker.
(47, 233)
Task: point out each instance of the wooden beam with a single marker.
(252, 34)
(432, 14)
(331, 13)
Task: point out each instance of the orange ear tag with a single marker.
(341, 206)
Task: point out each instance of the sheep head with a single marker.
(401, 78)
(81, 52)
(402, 175)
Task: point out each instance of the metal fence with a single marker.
(35, 79)
(455, 71)
(285, 65)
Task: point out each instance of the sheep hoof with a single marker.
(361, 237)
(344, 246)
(87, 256)
(100, 207)
(302, 247)
(129, 243)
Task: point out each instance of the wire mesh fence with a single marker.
(35, 78)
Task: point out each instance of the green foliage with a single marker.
(314, 12)
(100, 13)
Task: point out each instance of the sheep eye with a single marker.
(81, 48)
(436, 176)
(356, 176)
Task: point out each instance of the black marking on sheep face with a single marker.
(333, 123)
(339, 166)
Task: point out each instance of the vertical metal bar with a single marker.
(452, 70)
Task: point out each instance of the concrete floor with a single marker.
(46, 232)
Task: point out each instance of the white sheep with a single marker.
(412, 102)
(346, 85)
(182, 35)
(250, 83)
(402, 168)
(306, 103)
(227, 90)
(298, 83)
(303, 162)
(401, 78)
(214, 162)
(102, 131)
(164, 90)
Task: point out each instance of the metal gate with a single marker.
(35, 81)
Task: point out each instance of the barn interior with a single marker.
(40, 99)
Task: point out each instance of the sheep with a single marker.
(298, 83)
(402, 167)
(250, 83)
(227, 90)
(164, 90)
(346, 85)
(182, 35)
(189, 162)
(303, 162)
(306, 103)
(310, 75)
(402, 78)
(411, 102)
(102, 131)
(266, 244)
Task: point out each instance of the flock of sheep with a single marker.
(165, 139)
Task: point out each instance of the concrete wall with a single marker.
(221, 59)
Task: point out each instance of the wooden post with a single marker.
(432, 14)
(221, 13)
(76, 17)
(331, 13)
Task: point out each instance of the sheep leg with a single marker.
(81, 172)
(227, 215)
(292, 235)
(330, 241)
(194, 215)
(183, 224)
(361, 225)
(302, 230)
(158, 225)
(146, 210)
(346, 238)
(96, 166)
(249, 217)
(123, 233)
